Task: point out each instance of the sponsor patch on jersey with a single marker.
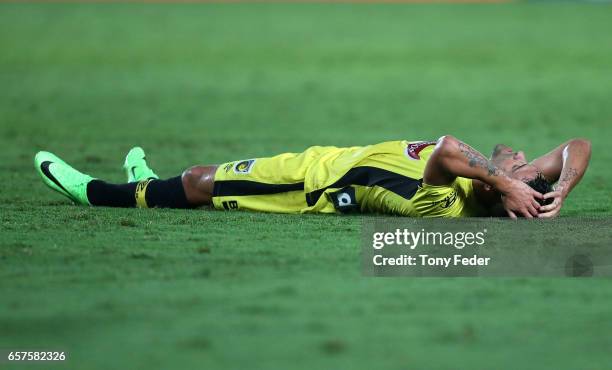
(413, 149)
(344, 200)
(244, 167)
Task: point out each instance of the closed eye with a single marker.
(518, 166)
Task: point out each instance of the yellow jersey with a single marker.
(384, 178)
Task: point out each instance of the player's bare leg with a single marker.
(198, 183)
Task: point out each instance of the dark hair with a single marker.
(541, 185)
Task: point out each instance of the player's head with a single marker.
(515, 165)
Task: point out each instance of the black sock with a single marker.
(147, 194)
(100, 193)
(166, 194)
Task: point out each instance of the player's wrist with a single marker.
(563, 189)
(502, 184)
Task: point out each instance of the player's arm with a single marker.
(566, 164)
(452, 158)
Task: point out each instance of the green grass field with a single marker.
(195, 83)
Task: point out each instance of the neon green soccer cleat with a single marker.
(59, 176)
(135, 166)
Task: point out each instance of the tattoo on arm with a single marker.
(569, 175)
(476, 159)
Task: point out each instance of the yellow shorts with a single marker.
(274, 184)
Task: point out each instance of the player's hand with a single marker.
(521, 199)
(553, 209)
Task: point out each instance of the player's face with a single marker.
(513, 162)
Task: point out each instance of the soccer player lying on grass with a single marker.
(447, 178)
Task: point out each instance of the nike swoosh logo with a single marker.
(44, 167)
